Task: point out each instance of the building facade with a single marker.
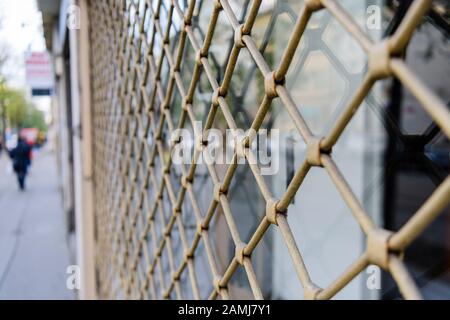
(353, 93)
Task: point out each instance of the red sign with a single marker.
(39, 71)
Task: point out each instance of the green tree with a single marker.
(35, 119)
(16, 107)
(20, 113)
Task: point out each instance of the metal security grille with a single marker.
(144, 86)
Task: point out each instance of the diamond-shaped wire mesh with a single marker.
(149, 58)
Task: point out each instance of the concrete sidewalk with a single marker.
(34, 253)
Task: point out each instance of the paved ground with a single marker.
(34, 253)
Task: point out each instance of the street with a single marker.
(34, 251)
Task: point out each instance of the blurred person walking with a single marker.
(21, 159)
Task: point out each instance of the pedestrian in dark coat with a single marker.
(21, 158)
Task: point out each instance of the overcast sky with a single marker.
(20, 30)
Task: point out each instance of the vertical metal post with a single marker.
(79, 52)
